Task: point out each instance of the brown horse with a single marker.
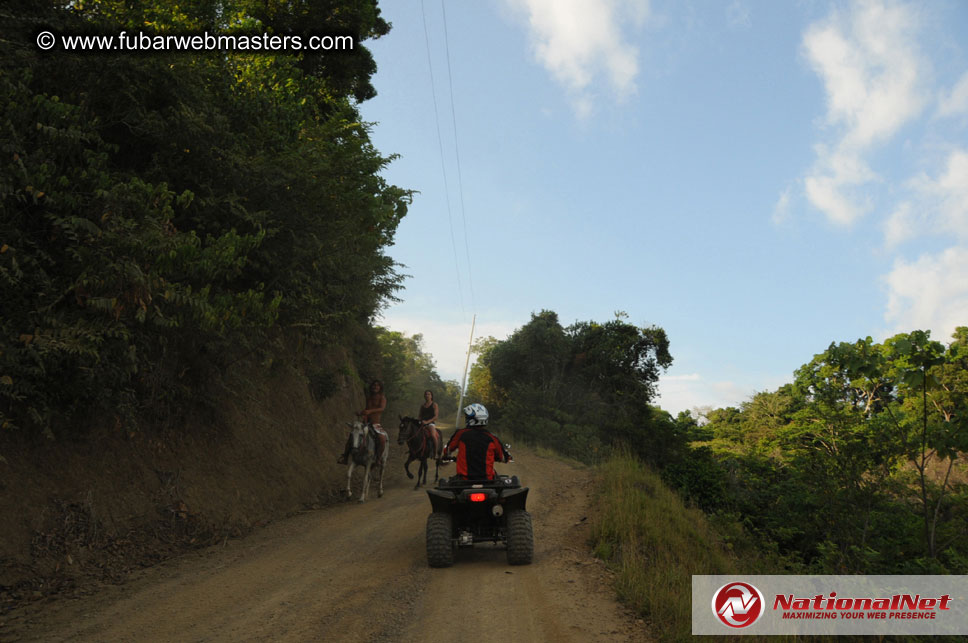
(421, 446)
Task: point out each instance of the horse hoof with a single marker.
(410, 475)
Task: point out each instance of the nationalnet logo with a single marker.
(898, 606)
(761, 604)
(738, 604)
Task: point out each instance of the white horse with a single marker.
(364, 437)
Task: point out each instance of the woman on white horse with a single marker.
(376, 403)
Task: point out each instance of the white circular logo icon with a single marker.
(738, 604)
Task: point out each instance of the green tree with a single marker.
(480, 385)
(931, 419)
(582, 388)
(165, 214)
(826, 467)
(536, 356)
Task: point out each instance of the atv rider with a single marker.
(477, 448)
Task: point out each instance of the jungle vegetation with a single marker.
(857, 466)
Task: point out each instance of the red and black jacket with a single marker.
(477, 450)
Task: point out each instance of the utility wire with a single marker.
(460, 178)
(463, 211)
(443, 166)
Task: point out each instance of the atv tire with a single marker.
(520, 538)
(440, 544)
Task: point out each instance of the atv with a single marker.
(471, 511)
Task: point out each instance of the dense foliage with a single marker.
(857, 466)
(163, 214)
(580, 389)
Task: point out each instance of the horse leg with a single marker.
(366, 482)
(349, 478)
(420, 472)
(406, 466)
(383, 467)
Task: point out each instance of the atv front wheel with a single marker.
(520, 538)
(440, 544)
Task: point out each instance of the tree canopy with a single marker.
(858, 464)
(164, 212)
(580, 388)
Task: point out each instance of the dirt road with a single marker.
(359, 573)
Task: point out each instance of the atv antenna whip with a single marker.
(463, 383)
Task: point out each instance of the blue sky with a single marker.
(757, 178)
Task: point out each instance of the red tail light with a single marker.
(478, 497)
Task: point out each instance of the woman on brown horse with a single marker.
(428, 418)
(422, 438)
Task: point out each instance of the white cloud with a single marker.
(947, 195)
(738, 15)
(902, 225)
(872, 70)
(679, 393)
(870, 64)
(691, 377)
(781, 211)
(937, 205)
(955, 101)
(584, 106)
(830, 187)
(929, 294)
(580, 40)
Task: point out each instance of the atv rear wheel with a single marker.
(520, 538)
(440, 544)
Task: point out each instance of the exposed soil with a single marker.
(358, 572)
(97, 504)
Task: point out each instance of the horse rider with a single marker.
(477, 448)
(376, 403)
(428, 419)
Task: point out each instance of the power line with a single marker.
(460, 184)
(460, 178)
(443, 166)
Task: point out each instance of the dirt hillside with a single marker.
(91, 508)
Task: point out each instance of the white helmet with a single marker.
(476, 415)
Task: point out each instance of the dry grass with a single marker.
(655, 543)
